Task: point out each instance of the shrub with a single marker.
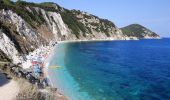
(72, 22)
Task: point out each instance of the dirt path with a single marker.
(8, 88)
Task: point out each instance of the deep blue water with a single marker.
(114, 70)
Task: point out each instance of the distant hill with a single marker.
(139, 31)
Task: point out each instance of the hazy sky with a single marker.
(154, 14)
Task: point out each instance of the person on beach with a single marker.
(37, 70)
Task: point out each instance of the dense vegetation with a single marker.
(103, 26)
(136, 30)
(35, 18)
(20, 8)
(72, 22)
(48, 6)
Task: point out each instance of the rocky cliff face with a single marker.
(26, 26)
(89, 27)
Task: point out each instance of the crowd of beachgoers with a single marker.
(34, 69)
(34, 66)
(36, 63)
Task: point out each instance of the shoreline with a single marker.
(61, 78)
(50, 50)
(48, 60)
(45, 53)
(71, 41)
(100, 40)
(96, 40)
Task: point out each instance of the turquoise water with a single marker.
(114, 70)
(62, 79)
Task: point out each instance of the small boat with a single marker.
(54, 67)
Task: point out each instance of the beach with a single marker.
(53, 51)
(106, 70)
(42, 56)
(24, 75)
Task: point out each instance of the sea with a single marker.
(112, 70)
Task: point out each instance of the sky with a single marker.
(153, 14)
